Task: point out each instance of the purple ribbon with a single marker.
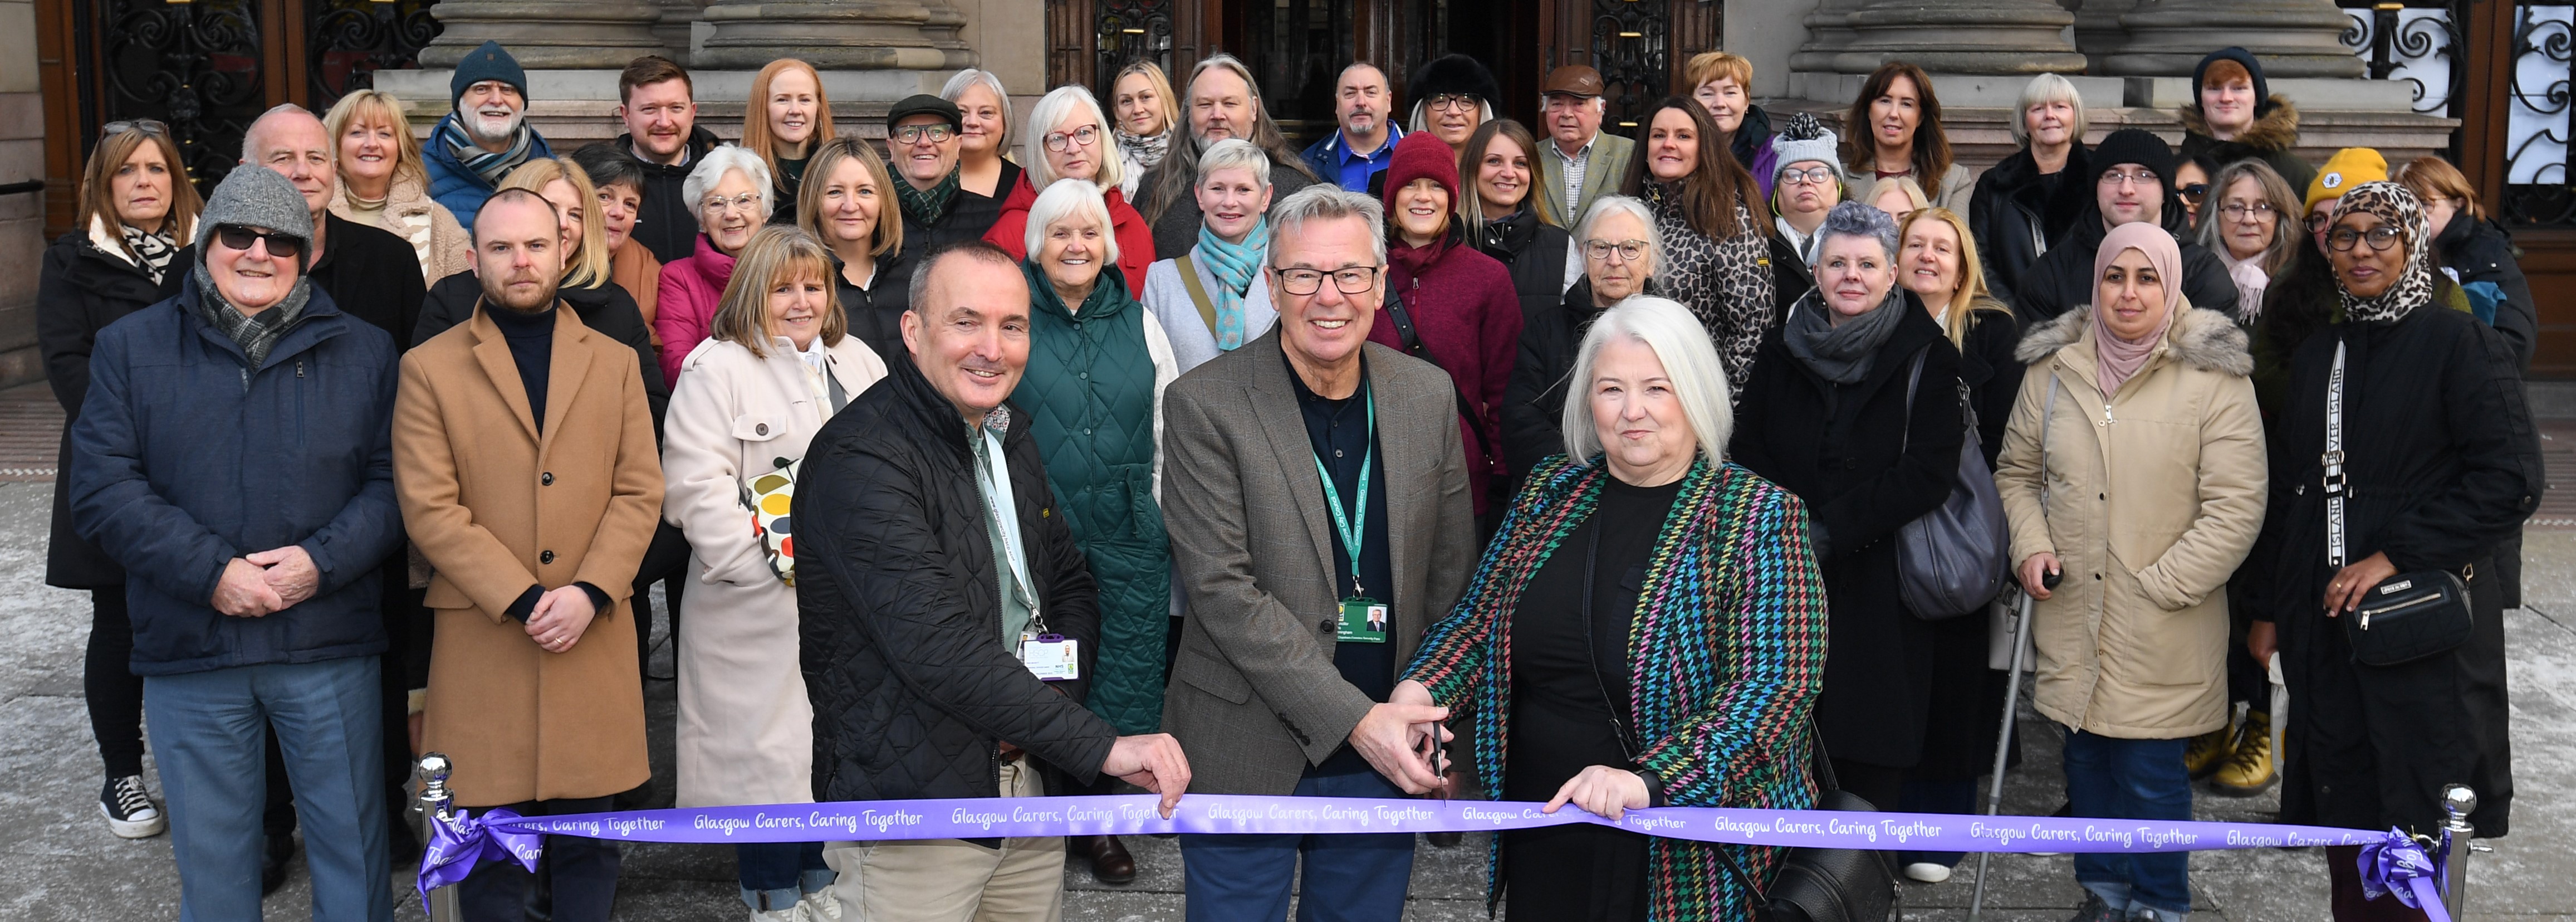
(461, 842)
(2397, 866)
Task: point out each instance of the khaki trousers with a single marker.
(953, 880)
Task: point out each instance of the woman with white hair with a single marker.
(1852, 405)
(1069, 138)
(729, 191)
(1093, 389)
(1649, 631)
(1211, 298)
(1621, 252)
(983, 132)
(2022, 205)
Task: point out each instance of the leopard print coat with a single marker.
(1726, 283)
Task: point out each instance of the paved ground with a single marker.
(58, 862)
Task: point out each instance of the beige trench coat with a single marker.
(746, 733)
(497, 509)
(2151, 503)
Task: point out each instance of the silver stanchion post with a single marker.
(434, 802)
(2003, 740)
(2458, 801)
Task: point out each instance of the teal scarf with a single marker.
(1233, 265)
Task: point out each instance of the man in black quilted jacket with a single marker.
(936, 583)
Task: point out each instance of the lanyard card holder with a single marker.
(1050, 657)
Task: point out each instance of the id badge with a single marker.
(1363, 621)
(1051, 657)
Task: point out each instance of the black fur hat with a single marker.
(1455, 73)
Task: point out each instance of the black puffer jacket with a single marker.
(1535, 252)
(2481, 251)
(79, 291)
(876, 312)
(667, 222)
(912, 685)
(607, 309)
(2015, 215)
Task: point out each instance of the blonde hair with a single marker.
(1971, 295)
(1915, 200)
(369, 106)
(1050, 110)
(888, 235)
(1690, 362)
(756, 137)
(1162, 85)
(776, 253)
(98, 187)
(587, 265)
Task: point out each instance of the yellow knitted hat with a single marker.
(2349, 167)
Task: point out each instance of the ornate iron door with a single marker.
(193, 66)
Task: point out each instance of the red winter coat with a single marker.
(1468, 317)
(1135, 237)
(691, 289)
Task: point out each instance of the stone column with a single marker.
(830, 34)
(679, 17)
(2097, 29)
(1961, 37)
(2293, 38)
(1828, 33)
(547, 34)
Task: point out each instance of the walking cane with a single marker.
(2458, 801)
(2003, 735)
(434, 801)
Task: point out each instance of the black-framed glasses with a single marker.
(2193, 193)
(1450, 101)
(912, 134)
(146, 125)
(280, 244)
(2381, 238)
(1600, 250)
(1811, 176)
(1350, 280)
(1084, 136)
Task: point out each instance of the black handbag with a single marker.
(2409, 616)
(1826, 884)
(1957, 557)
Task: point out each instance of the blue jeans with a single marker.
(2136, 780)
(209, 733)
(1348, 878)
(774, 875)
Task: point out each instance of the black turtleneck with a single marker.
(532, 345)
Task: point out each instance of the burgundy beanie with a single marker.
(1421, 155)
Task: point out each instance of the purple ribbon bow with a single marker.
(459, 844)
(2398, 867)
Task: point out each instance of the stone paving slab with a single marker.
(60, 863)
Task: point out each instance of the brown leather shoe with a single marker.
(1110, 862)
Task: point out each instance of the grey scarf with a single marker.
(1841, 354)
(258, 333)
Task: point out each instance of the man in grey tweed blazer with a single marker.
(1278, 457)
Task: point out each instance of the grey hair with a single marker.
(1852, 218)
(710, 171)
(2049, 88)
(1690, 363)
(1235, 154)
(1069, 198)
(958, 82)
(250, 136)
(1050, 110)
(1327, 202)
(1633, 207)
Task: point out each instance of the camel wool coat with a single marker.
(2152, 500)
(746, 730)
(498, 509)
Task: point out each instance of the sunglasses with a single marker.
(145, 125)
(2194, 192)
(280, 244)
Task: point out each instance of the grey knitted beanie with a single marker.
(1804, 139)
(254, 196)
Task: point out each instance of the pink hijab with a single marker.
(2115, 359)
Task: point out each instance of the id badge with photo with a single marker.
(1051, 657)
(1363, 621)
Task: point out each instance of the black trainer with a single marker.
(129, 809)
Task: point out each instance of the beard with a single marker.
(528, 300)
(486, 130)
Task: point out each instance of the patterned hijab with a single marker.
(2397, 206)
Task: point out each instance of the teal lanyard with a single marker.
(1352, 531)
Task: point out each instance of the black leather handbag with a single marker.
(1826, 884)
(2407, 617)
(1957, 557)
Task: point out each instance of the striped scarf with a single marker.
(1233, 265)
(256, 333)
(486, 164)
(1726, 654)
(928, 206)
